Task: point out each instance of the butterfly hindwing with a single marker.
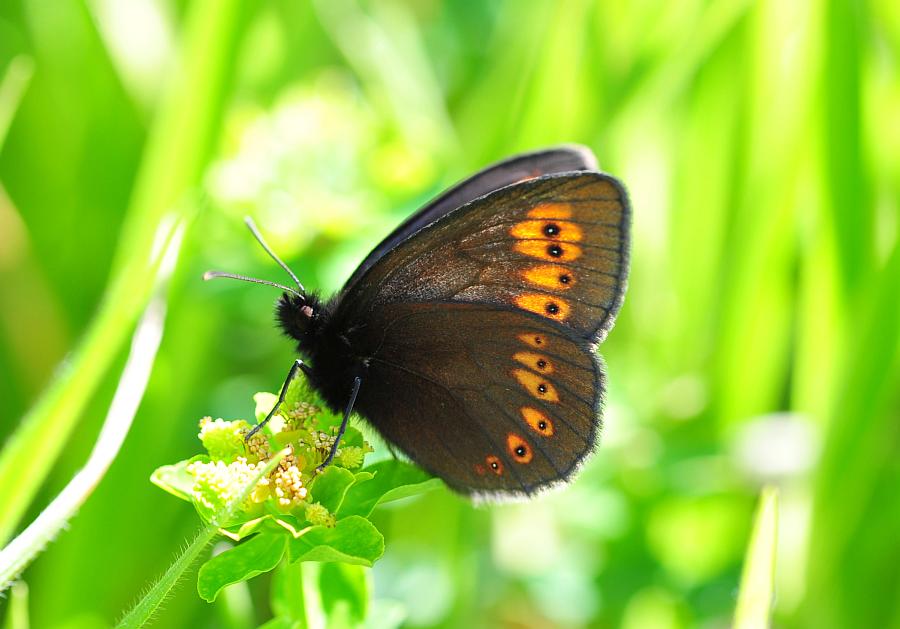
(491, 399)
(555, 246)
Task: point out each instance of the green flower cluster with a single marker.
(293, 512)
(232, 462)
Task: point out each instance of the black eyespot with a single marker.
(551, 229)
(494, 465)
(542, 388)
(555, 250)
(542, 425)
(538, 340)
(541, 363)
(564, 279)
(552, 308)
(520, 451)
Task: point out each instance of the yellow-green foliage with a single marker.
(758, 343)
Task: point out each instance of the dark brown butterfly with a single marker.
(468, 337)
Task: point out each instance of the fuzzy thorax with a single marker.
(333, 364)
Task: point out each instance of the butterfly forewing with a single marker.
(555, 246)
(489, 398)
(515, 169)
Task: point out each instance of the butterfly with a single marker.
(468, 337)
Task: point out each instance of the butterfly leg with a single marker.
(297, 366)
(337, 440)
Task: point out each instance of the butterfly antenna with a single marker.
(253, 230)
(211, 275)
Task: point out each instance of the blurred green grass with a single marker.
(758, 344)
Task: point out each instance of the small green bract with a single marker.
(295, 512)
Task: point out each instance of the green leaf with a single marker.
(301, 391)
(392, 480)
(282, 623)
(352, 437)
(757, 581)
(352, 540)
(345, 591)
(330, 486)
(286, 593)
(264, 401)
(274, 522)
(242, 530)
(174, 479)
(259, 554)
(361, 477)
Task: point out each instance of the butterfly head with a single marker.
(298, 316)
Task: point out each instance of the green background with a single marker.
(760, 142)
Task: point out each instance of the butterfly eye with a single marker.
(536, 385)
(519, 448)
(540, 230)
(533, 340)
(554, 308)
(538, 421)
(554, 252)
(538, 362)
(552, 276)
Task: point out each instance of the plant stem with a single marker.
(17, 610)
(143, 611)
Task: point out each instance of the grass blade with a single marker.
(175, 158)
(135, 375)
(757, 581)
(12, 87)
